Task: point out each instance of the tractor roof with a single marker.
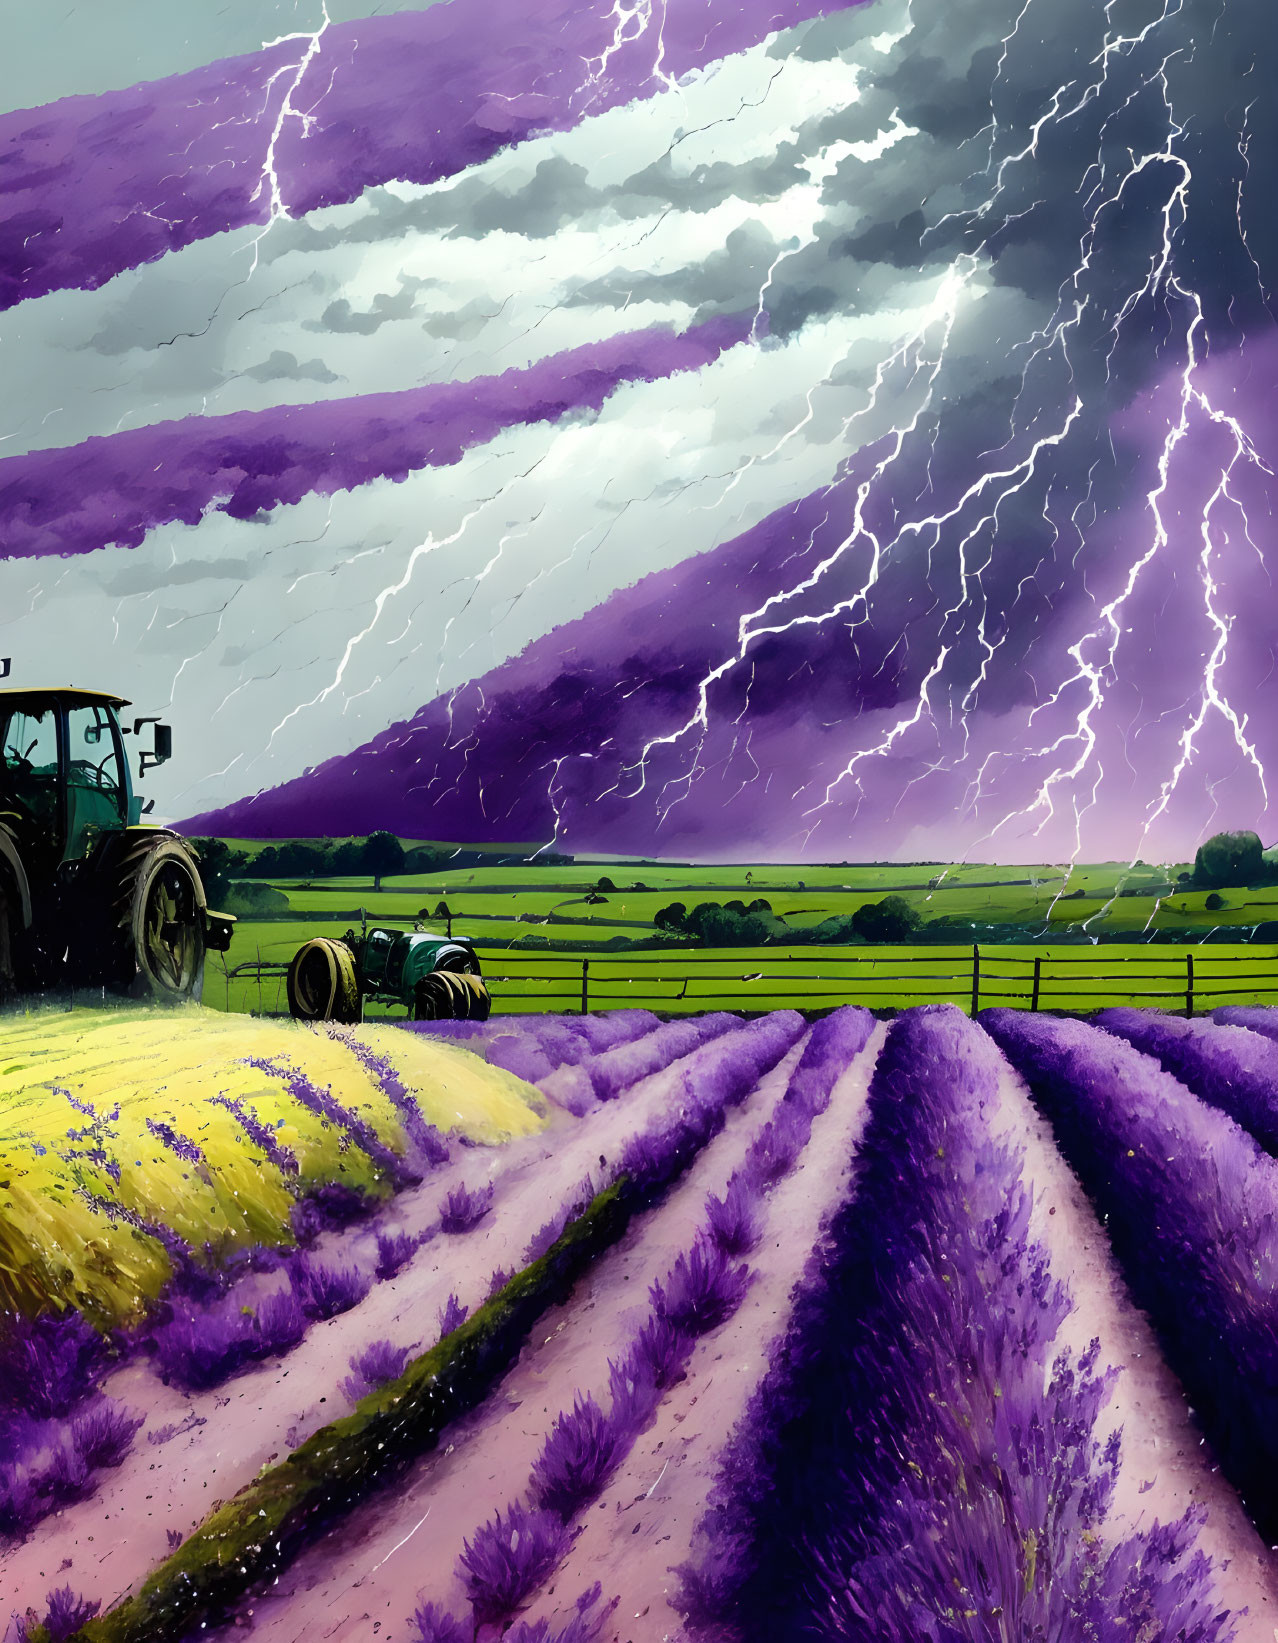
(60, 692)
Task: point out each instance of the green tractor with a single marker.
(437, 977)
(90, 895)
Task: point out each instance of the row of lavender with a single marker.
(513, 1554)
(1170, 1126)
(57, 1429)
(925, 1458)
(717, 1065)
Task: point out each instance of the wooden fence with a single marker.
(678, 981)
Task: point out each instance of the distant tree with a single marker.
(605, 884)
(733, 926)
(383, 855)
(1229, 859)
(1215, 902)
(759, 905)
(672, 917)
(892, 919)
(425, 858)
(348, 858)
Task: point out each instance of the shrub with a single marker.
(436, 1625)
(377, 1365)
(509, 1557)
(199, 1347)
(328, 1290)
(701, 1291)
(103, 1433)
(331, 1206)
(892, 919)
(584, 1627)
(49, 1362)
(66, 1614)
(463, 1209)
(278, 1324)
(734, 1221)
(775, 1150)
(452, 1315)
(577, 1459)
(394, 1251)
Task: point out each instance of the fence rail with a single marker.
(680, 980)
(975, 976)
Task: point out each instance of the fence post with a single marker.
(585, 986)
(1038, 975)
(1189, 984)
(976, 978)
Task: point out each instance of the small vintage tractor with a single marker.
(438, 978)
(90, 896)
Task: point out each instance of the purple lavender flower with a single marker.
(775, 1150)
(327, 1107)
(377, 1365)
(278, 1324)
(199, 1348)
(65, 1615)
(258, 1133)
(506, 1560)
(452, 1315)
(1191, 1207)
(584, 1627)
(47, 1363)
(436, 1625)
(186, 1150)
(463, 1209)
(655, 1360)
(428, 1144)
(1229, 1067)
(394, 1251)
(735, 1221)
(103, 1433)
(577, 1459)
(920, 1445)
(329, 1206)
(328, 1290)
(701, 1291)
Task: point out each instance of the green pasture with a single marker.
(504, 904)
(687, 980)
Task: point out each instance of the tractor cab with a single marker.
(88, 894)
(64, 778)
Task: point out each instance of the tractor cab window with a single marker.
(29, 770)
(96, 793)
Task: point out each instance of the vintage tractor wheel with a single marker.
(446, 995)
(159, 907)
(322, 984)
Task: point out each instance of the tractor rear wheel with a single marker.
(8, 918)
(322, 984)
(445, 995)
(159, 908)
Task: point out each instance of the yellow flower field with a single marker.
(80, 1168)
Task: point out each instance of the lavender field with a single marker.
(928, 1329)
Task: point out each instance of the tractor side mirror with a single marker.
(162, 751)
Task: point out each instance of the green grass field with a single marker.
(511, 911)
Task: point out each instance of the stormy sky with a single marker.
(801, 431)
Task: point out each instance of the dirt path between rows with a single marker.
(363, 1580)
